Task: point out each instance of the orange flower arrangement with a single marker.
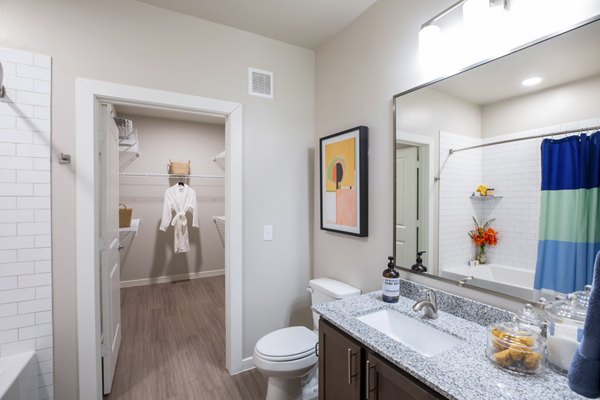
(483, 235)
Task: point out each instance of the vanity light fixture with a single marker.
(430, 24)
(534, 80)
(491, 3)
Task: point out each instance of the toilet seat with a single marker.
(287, 344)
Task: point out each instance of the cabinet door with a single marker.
(386, 382)
(340, 360)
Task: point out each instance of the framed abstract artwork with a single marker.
(344, 182)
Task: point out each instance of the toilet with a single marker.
(287, 356)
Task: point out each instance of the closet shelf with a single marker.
(137, 175)
(135, 226)
(219, 218)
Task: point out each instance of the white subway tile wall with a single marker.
(514, 170)
(25, 230)
(460, 174)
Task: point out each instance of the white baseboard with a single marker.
(173, 278)
(247, 364)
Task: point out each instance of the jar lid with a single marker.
(582, 297)
(573, 308)
(567, 309)
(516, 333)
(528, 317)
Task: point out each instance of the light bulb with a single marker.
(534, 80)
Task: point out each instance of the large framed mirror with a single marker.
(496, 171)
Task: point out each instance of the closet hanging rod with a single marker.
(592, 128)
(135, 174)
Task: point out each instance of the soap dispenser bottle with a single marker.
(391, 282)
(418, 266)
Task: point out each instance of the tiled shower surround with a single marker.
(514, 171)
(25, 230)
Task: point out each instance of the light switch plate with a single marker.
(268, 232)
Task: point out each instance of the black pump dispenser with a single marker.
(419, 267)
(391, 282)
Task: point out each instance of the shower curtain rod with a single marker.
(133, 174)
(592, 128)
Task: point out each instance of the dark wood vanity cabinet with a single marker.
(341, 362)
(350, 371)
(386, 382)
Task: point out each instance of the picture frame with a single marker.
(344, 182)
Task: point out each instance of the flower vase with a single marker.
(481, 254)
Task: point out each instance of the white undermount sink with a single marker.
(422, 338)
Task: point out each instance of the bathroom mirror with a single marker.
(483, 129)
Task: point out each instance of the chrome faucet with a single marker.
(428, 306)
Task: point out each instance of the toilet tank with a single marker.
(324, 290)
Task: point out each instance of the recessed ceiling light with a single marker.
(534, 80)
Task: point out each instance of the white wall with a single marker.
(573, 101)
(428, 112)
(128, 42)
(357, 74)
(150, 254)
(25, 253)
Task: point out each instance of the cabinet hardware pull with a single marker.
(349, 366)
(368, 380)
(367, 383)
(317, 349)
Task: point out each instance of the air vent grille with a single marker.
(260, 83)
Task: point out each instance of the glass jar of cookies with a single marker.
(516, 346)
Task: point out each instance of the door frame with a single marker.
(87, 94)
(422, 140)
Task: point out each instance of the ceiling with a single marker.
(572, 56)
(305, 23)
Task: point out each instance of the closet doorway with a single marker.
(91, 188)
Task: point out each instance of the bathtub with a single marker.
(501, 278)
(19, 377)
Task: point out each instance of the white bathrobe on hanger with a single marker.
(179, 199)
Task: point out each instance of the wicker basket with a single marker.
(124, 216)
(178, 168)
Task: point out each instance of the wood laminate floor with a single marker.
(173, 345)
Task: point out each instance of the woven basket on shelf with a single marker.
(124, 216)
(178, 168)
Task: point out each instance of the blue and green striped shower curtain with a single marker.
(569, 219)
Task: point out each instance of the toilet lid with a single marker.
(287, 344)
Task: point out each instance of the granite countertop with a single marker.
(463, 372)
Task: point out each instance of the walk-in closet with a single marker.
(170, 337)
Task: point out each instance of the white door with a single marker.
(407, 195)
(110, 272)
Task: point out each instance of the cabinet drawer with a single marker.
(384, 381)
